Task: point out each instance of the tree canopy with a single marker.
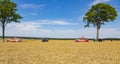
(98, 15)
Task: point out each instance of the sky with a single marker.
(60, 19)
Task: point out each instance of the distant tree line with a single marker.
(57, 38)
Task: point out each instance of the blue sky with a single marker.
(60, 19)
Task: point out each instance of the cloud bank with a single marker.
(32, 6)
(37, 29)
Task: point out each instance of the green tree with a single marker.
(98, 15)
(8, 14)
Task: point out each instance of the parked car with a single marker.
(14, 40)
(81, 40)
(45, 40)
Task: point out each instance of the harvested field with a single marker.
(59, 52)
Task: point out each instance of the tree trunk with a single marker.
(97, 35)
(3, 32)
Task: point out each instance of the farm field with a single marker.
(59, 52)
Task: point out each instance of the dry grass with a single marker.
(59, 52)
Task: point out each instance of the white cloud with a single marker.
(59, 33)
(55, 22)
(32, 6)
(53, 33)
(25, 26)
(37, 29)
(109, 33)
(99, 1)
(52, 22)
(35, 25)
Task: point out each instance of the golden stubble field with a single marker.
(59, 52)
